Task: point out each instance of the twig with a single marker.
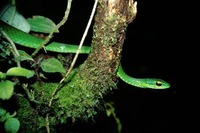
(62, 22)
(82, 40)
(77, 52)
(30, 95)
(67, 11)
(14, 49)
(112, 111)
(47, 123)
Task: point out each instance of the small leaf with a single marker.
(2, 111)
(19, 71)
(3, 118)
(41, 24)
(2, 75)
(108, 112)
(24, 56)
(12, 125)
(6, 89)
(52, 65)
(8, 115)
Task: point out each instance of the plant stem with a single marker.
(62, 22)
(67, 11)
(78, 51)
(14, 49)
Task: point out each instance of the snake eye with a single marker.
(158, 83)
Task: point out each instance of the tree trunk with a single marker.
(97, 75)
(81, 98)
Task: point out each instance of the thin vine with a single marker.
(62, 22)
(78, 51)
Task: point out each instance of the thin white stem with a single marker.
(82, 40)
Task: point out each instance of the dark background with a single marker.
(148, 52)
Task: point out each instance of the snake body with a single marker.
(27, 40)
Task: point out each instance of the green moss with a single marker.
(43, 91)
(29, 119)
(77, 100)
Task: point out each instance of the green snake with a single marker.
(25, 39)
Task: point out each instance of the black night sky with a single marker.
(148, 52)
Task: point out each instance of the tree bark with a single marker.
(97, 76)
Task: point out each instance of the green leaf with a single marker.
(3, 118)
(2, 75)
(19, 71)
(8, 115)
(52, 65)
(2, 111)
(41, 24)
(10, 15)
(24, 56)
(6, 89)
(12, 125)
(108, 112)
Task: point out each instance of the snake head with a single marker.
(156, 83)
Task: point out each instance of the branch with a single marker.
(62, 22)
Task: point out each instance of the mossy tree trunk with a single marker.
(80, 98)
(97, 75)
